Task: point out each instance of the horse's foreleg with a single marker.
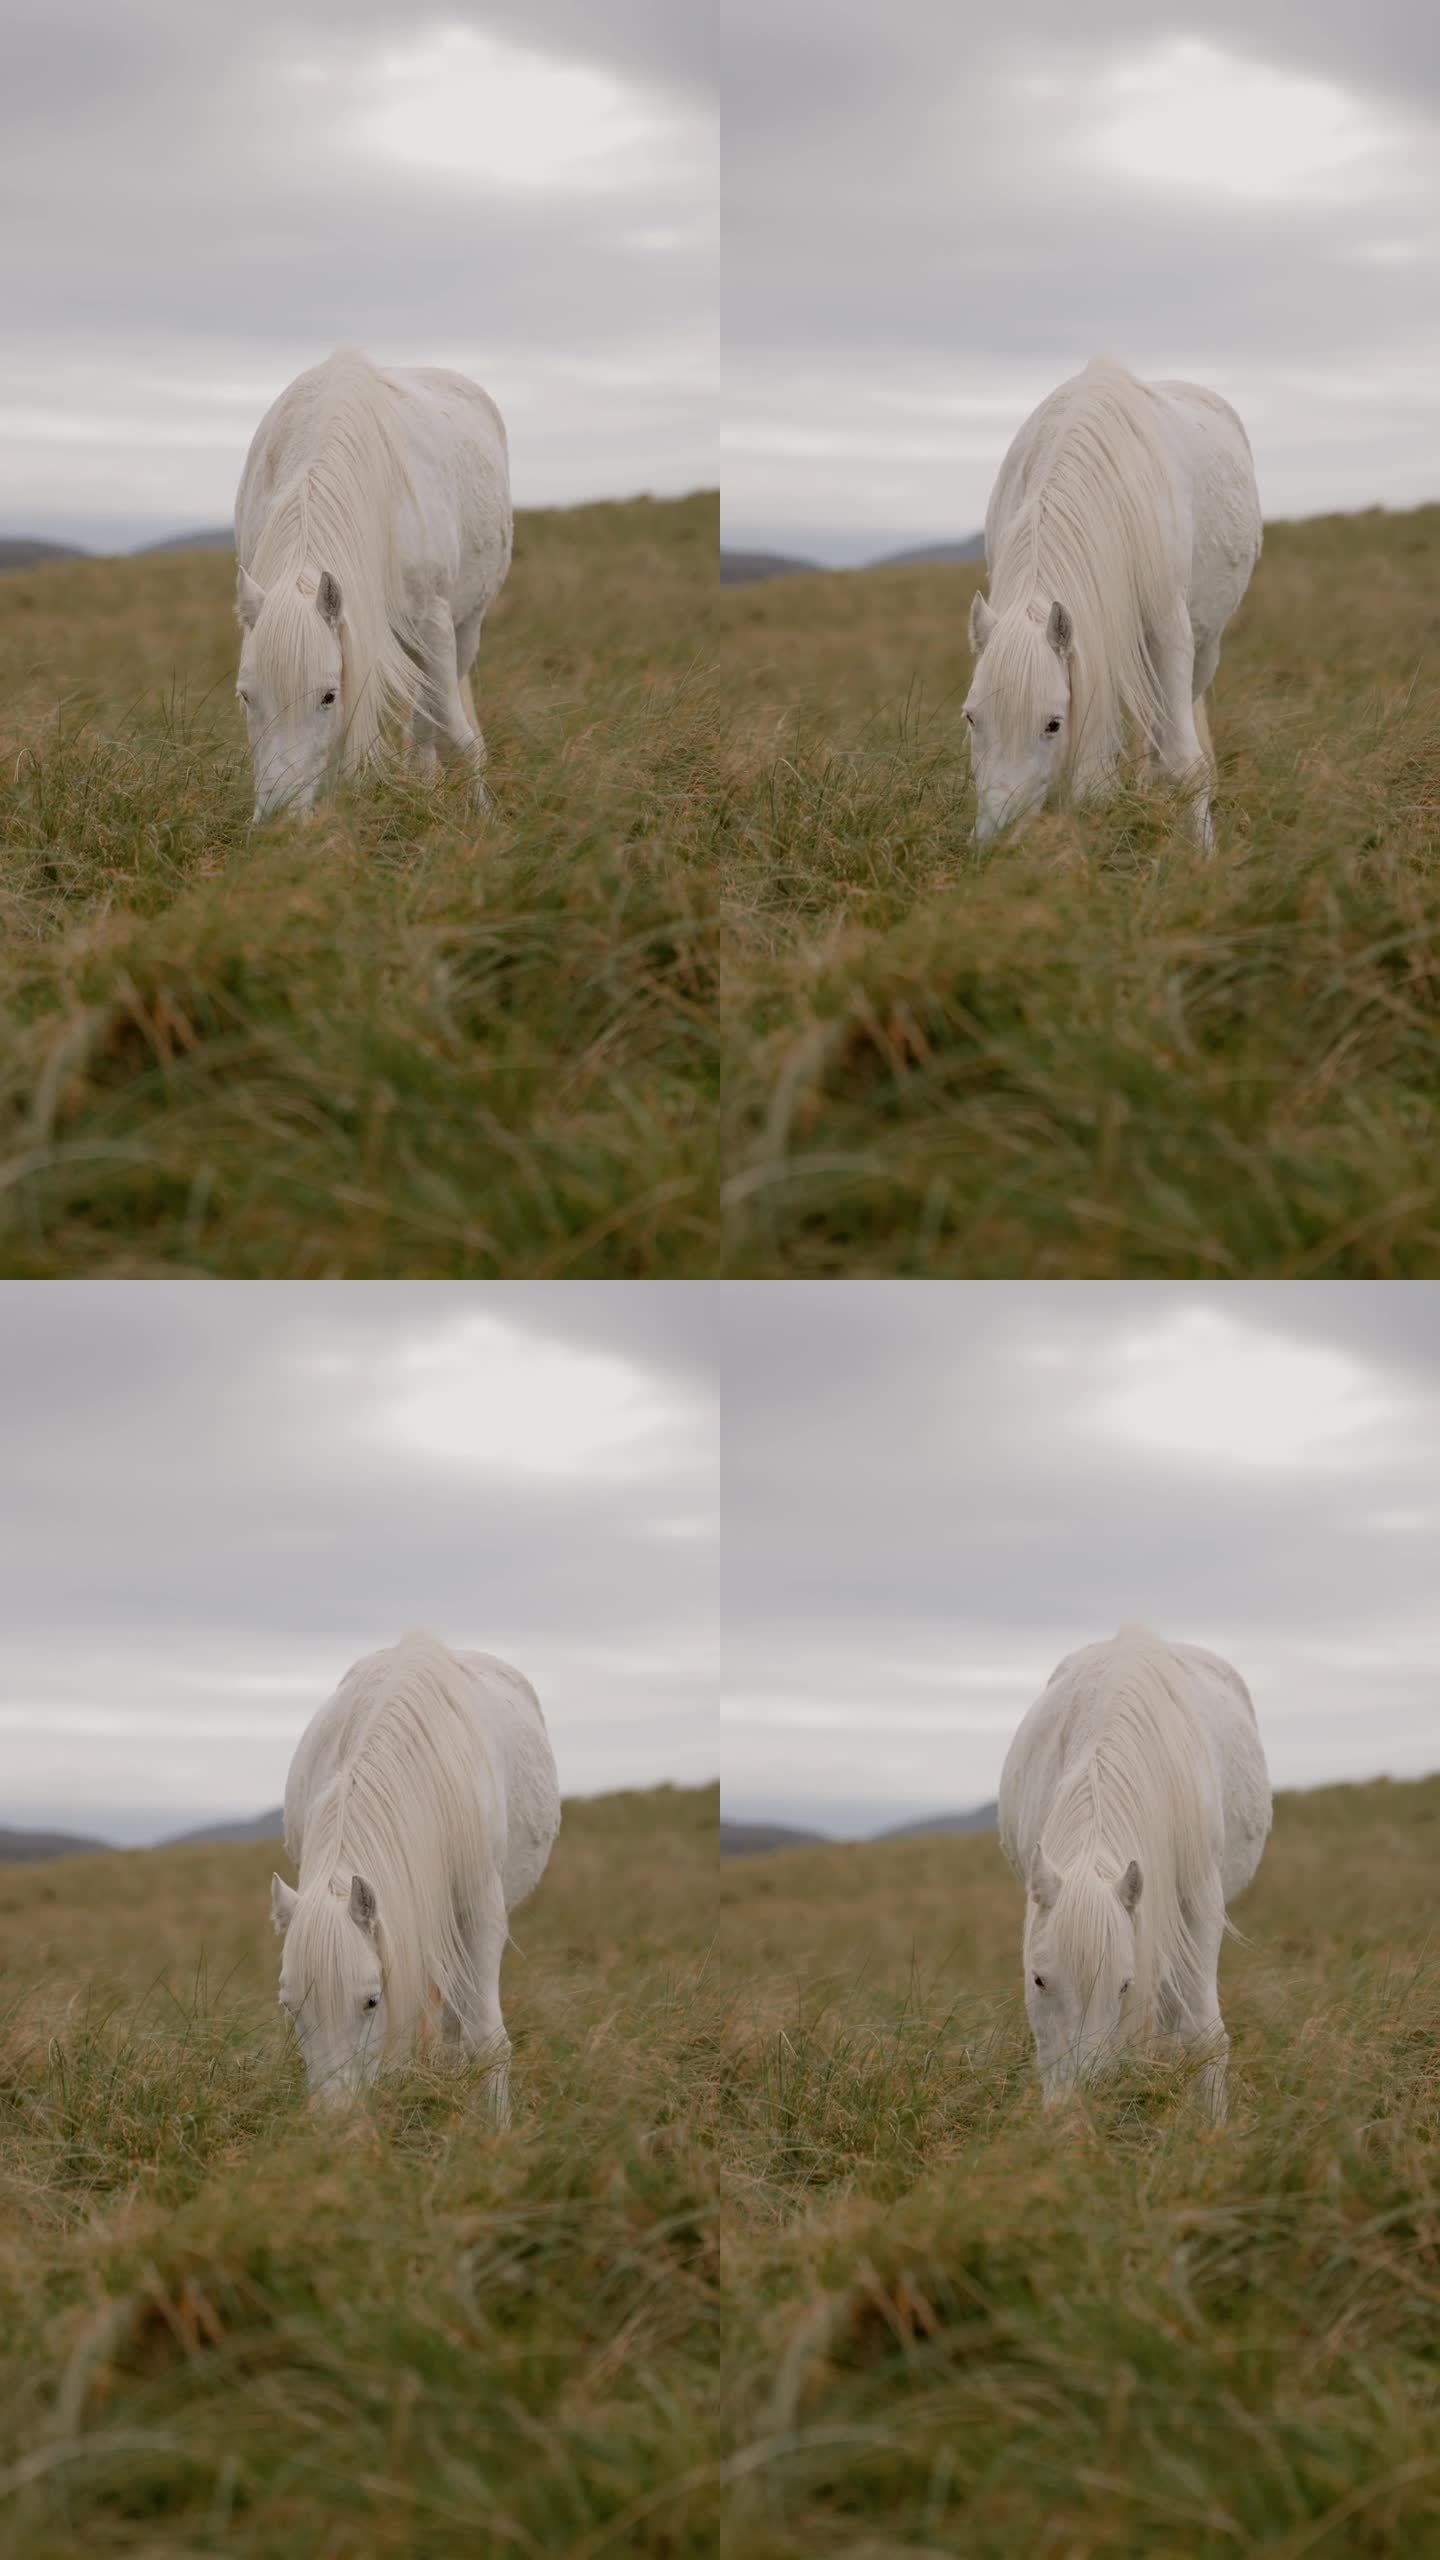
(1198, 2023)
(1182, 747)
(481, 2024)
(445, 723)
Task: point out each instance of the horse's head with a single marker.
(332, 1981)
(1080, 1964)
(1018, 708)
(291, 685)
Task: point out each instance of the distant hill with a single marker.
(953, 553)
(742, 568)
(753, 1839)
(749, 1839)
(23, 1848)
(262, 1826)
(216, 537)
(20, 551)
(981, 1817)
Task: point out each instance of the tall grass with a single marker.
(956, 2323)
(227, 2326)
(1090, 1052)
(398, 1040)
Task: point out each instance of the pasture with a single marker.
(955, 2323)
(1091, 1051)
(225, 2326)
(395, 1040)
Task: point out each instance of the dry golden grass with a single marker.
(955, 2323)
(396, 1041)
(1090, 1052)
(225, 2326)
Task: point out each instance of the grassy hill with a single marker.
(226, 2327)
(1090, 1052)
(394, 1041)
(955, 2323)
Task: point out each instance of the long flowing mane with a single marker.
(1136, 1793)
(337, 506)
(414, 1809)
(1092, 530)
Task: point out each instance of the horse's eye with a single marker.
(326, 699)
(373, 2000)
(1052, 728)
(1126, 1985)
(970, 716)
(1039, 1981)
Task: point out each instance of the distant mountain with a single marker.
(22, 1848)
(262, 1826)
(981, 1817)
(742, 568)
(21, 551)
(752, 1839)
(953, 554)
(217, 537)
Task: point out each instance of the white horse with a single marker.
(420, 1808)
(1134, 1805)
(372, 534)
(1120, 538)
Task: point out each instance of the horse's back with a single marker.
(1062, 1724)
(517, 1738)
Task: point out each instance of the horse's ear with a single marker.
(982, 622)
(327, 597)
(1060, 631)
(364, 1909)
(283, 1899)
(1129, 1885)
(1043, 1881)
(248, 599)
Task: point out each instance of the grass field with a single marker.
(226, 2328)
(956, 2324)
(1090, 1052)
(397, 1040)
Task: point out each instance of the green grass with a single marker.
(957, 2324)
(225, 2327)
(397, 1040)
(1090, 1052)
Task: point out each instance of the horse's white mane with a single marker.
(1135, 1794)
(337, 507)
(413, 1810)
(1091, 532)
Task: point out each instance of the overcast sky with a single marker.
(932, 1492)
(197, 202)
(935, 211)
(217, 1496)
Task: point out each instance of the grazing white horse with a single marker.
(420, 1808)
(1120, 538)
(372, 534)
(1134, 1805)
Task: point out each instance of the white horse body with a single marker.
(372, 534)
(421, 1808)
(1134, 1805)
(1120, 538)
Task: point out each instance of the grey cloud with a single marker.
(922, 1482)
(901, 219)
(203, 1499)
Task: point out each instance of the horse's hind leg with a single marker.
(444, 719)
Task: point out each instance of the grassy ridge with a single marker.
(957, 2324)
(224, 2327)
(1091, 1052)
(394, 1041)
